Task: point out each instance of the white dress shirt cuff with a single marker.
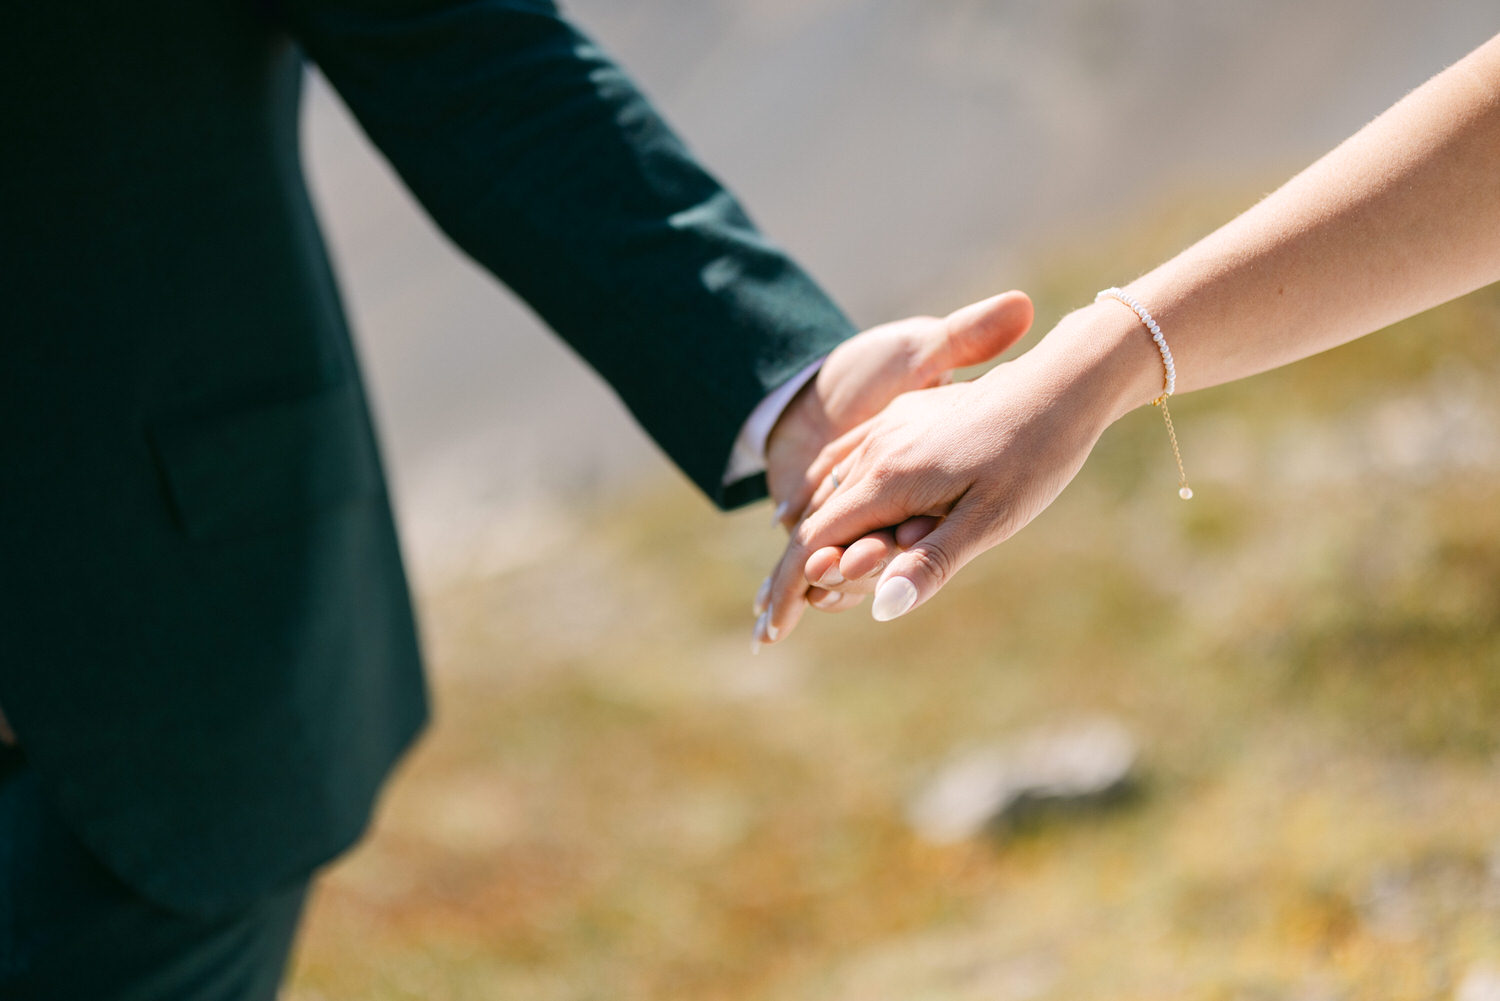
(749, 455)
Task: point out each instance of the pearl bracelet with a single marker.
(1170, 386)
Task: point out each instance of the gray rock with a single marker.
(1080, 764)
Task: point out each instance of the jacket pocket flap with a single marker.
(269, 465)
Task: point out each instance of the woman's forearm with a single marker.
(1402, 216)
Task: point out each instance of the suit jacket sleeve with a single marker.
(540, 158)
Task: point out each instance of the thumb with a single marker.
(981, 331)
(919, 573)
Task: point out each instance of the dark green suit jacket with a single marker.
(208, 650)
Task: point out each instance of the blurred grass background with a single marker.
(618, 802)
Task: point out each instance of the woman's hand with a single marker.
(943, 474)
(866, 372)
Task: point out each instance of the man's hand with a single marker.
(868, 371)
(861, 377)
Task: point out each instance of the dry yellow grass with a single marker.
(618, 802)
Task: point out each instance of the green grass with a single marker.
(618, 802)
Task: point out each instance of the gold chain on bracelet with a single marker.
(1160, 340)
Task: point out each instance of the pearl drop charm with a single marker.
(1186, 493)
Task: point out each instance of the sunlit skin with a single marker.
(1399, 218)
(865, 373)
(862, 375)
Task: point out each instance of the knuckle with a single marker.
(934, 561)
(879, 477)
(804, 539)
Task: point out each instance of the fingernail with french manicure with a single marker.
(831, 577)
(827, 600)
(893, 599)
(763, 632)
(778, 517)
(762, 597)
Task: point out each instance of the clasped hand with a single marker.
(902, 501)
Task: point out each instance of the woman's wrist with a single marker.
(1103, 355)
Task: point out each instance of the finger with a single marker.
(828, 567)
(868, 556)
(762, 598)
(780, 619)
(839, 463)
(920, 572)
(834, 454)
(766, 631)
(825, 490)
(828, 486)
(855, 511)
(981, 331)
(914, 530)
(853, 570)
(822, 568)
(832, 601)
